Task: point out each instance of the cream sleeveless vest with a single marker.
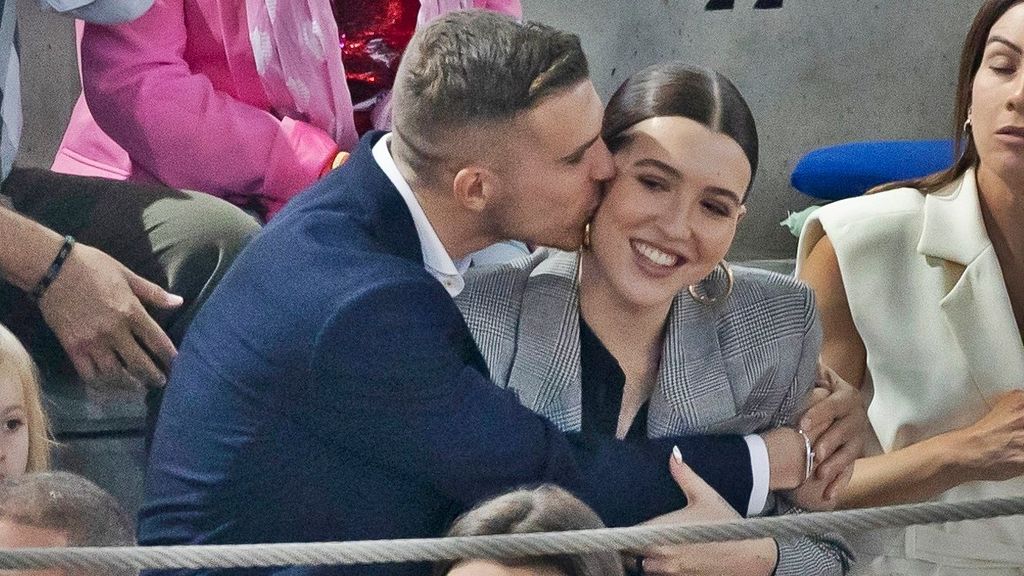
(927, 297)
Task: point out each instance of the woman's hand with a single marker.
(837, 423)
(704, 506)
(994, 445)
(787, 458)
(820, 494)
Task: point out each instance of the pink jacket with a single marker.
(174, 97)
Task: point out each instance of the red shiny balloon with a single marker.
(373, 35)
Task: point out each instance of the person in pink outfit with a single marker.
(216, 96)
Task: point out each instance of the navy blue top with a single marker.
(603, 382)
(330, 390)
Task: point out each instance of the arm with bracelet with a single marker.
(92, 302)
(54, 269)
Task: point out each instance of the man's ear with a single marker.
(474, 187)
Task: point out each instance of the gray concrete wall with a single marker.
(815, 72)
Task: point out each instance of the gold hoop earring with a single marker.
(709, 300)
(586, 235)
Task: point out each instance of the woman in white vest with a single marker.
(921, 291)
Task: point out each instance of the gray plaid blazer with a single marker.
(742, 365)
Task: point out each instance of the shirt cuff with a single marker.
(761, 472)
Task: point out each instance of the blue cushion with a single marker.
(851, 169)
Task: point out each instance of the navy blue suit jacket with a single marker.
(330, 390)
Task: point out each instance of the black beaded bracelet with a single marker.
(54, 269)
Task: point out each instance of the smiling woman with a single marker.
(669, 217)
(610, 342)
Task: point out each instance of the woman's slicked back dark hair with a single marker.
(679, 89)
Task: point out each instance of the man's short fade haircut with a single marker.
(474, 66)
(67, 503)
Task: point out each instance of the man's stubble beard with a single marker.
(512, 223)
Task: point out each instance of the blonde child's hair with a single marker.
(15, 361)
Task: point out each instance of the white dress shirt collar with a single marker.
(436, 259)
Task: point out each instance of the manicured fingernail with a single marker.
(677, 454)
(174, 299)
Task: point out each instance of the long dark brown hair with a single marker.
(964, 149)
(680, 89)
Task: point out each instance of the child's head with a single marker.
(53, 509)
(547, 508)
(24, 444)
